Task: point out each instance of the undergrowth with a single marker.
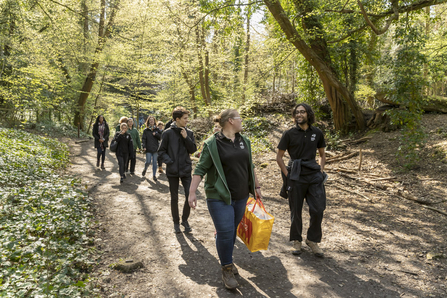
(44, 220)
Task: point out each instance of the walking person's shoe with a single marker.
(97, 163)
(124, 176)
(187, 227)
(144, 173)
(132, 173)
(228, 277)
(160, 170)
(121, 180)
(103, 167)
(315, 248)
(234, 270)
(296, 247)
(155, 179)
(177, 229)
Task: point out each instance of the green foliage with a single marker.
(407, 89)
(257, 130)
(44, 220)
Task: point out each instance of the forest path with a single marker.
(134, 223)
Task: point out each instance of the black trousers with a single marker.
(122, 160)
(101, 152)
(174, 183)
(159, 161)
(132, 161)
(311, 188)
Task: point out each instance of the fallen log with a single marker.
(83, 141)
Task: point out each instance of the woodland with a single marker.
(67, 61)
(363, 65)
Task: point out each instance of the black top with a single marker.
(302, 144)
(95, 134)
(125, 145)
(175, 150)
(149, 140)
(235, 160)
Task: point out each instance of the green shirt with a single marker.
(135, 138)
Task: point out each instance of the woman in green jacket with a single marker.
(230, 178)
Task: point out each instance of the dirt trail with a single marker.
(371, 249)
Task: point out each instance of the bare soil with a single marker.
(376, 242)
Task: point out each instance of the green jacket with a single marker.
(135, 138)
(209, 164)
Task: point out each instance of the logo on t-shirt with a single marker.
(241, 144)
(313, 137)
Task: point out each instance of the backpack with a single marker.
(113, 145)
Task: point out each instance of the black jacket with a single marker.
(95, 134)
(174, 151)
(150, 141)
(125, 145)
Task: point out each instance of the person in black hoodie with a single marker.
(177, 143)
(151, 136)
(101, 134)
(124, 149)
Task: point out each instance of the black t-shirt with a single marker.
(302, 144)
(235, 160)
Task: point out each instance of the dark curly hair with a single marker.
(309, 111)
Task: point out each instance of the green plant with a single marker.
(44, 220)
(257, 130)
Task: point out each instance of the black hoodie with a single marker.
(95, 133)
(174, 151)
(150, 141)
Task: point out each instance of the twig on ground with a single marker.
(360, 159)
(352, 191)
(435, 209)
(339, 158)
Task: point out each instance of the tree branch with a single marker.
(395, 16)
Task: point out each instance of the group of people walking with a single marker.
(226, 161)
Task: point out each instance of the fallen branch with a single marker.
(352, 191)
(435, 209)
(341, 157)
(381, 179)
(340, 170)
(83, 141)
(412, 198)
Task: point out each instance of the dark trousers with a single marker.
(132, 161)
(311, 188)
(122, 160)
(174, 183)
(159, 161)
(101, 153)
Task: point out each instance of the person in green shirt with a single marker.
(136, 145)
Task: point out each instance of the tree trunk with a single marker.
(201, 72)
(103, 34)
(339, 97)
(192, 93)
(247, 49)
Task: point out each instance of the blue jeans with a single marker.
(151, 158)
(226, 218)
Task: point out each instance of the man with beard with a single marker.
(305, 178)
(177, 144)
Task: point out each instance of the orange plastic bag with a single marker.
(256, 226)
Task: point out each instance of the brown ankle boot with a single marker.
(228, 277)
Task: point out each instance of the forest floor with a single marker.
(377, 243)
